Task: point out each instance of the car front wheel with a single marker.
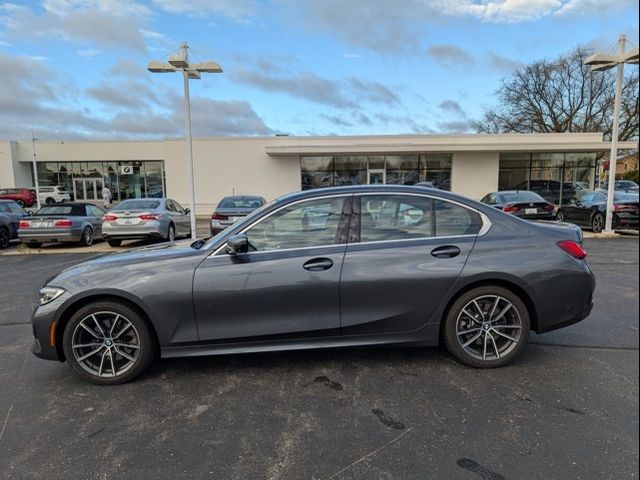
(4, 237)
(487, 327)
(560, 216)
(108, 343)
(597, 223)
(87, 237)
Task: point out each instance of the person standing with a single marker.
(106, 197)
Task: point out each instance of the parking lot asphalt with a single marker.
(568, 408)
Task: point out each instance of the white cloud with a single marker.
(237, 9)
(123, 8)
(89, 52)
(593, 7)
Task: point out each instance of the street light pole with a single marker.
(35, 169)
(603, 61)
(180, 62)
(189, 142)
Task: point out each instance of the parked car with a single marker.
(53, 195)
(79, 223)
(10, 215)
(146, 218)
(453, 269)
(589, 209)
(231, 209)
(521, 203)
(548, 189)
(25, 197)
(626, 186)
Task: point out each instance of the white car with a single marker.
(53, 195)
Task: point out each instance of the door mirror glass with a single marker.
(237, 244)
(187, 211)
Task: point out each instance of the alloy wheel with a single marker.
(4, 238)
(106, 344)
(88, 237)
(598, 222)
(488, 327)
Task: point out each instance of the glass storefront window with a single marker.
(316, 164)
(555, 176)
(350, 163)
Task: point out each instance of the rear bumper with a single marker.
(132, 232)
(625, 220)
(51, 236)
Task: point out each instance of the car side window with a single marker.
(454, 220)
(309, 224)
(169, 206)
(177, 206)
(95, 211)
(394, 217)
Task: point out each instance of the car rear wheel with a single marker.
(49, 201)
(87, 237)
(487, 327)
(560, 216)
(4, 237)
(114, 243)
(20, 202)
(597, 223)
(108, 343)
(171, 234)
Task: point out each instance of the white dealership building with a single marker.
(469, 164)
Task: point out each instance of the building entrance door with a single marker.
(87, 188)
(376, 176)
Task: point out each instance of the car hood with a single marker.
(111, 270)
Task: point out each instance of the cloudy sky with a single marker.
(76, 69)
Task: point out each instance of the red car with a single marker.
(25, 197)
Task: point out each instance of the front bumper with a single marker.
(45, 322)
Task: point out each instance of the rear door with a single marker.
(404, 254)
(287, 284)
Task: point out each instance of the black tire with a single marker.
(87, 237)
(171, 234)
(140, 334)
(114, 243)
(597, 222)
(560, 216)
(33, 244)
(499, 351)
(49, 201)
(4, 237)
(21, 203)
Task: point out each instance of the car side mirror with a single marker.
(237, 244)
(187, 211)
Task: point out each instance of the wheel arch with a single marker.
(506, 283)
(78, 303)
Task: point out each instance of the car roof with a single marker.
(371, 189)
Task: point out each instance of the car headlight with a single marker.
(49, 294)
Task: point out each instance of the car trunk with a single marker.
(228, 216)
(530, 210)
(132, 217)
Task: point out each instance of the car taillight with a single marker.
(510, 209)
(109, 217)
(148, 216)
(549, 208)
(24, 224)
(62, 223)
(572, 248)
(217, 216)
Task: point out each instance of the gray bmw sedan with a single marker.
(337, 267)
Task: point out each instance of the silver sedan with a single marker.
(63, 222)
(145, 218)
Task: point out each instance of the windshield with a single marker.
(55, 210)
(137, 205)
(516, 197)
(240, 202)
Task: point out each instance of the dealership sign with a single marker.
(126, 170)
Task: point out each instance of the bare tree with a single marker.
(562, 95)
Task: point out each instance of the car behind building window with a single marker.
(308, 224)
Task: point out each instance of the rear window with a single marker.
(521, 197)
(137, 205)
(453, 220)
(240, 202)
(61, 210)
(625, 197)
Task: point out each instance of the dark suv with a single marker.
(10, 215)
(25, 197)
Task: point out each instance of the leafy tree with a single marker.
(562, 95)
(631, 175)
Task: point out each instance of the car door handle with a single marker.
(447, 251)
(318, 264)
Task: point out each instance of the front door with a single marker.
(288, 282)
(376, 176)
(405, 252)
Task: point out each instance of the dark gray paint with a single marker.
(249, 304)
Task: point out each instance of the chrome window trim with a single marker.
(486, 222)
